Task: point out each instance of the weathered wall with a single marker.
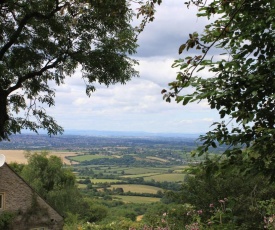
(31, 210)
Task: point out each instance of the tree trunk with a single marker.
(3, 114)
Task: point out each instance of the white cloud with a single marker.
(173, 22)
(138, 105)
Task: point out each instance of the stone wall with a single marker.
(30, 209)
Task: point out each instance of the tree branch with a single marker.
(207, 49)
(32, 75)
(21, 26)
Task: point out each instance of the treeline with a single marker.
(107, 192)
(166, 185)
(127, 160)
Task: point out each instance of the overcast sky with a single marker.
(138, 105)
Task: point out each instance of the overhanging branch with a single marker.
(32, 75)
(21, 26)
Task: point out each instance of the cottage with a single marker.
(28, 210)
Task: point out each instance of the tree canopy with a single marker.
(52, 181)
(242, 84)
(42, 42)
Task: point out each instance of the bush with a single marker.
(6, 219)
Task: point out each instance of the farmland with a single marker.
(136, 188)
(114, 166)
(19, 156)
(124, 175)
(172, 177)
(135, 199)
(86, 157)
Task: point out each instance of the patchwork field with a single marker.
(136, 199)
(19, 156)
(140, 175)
(82, 158)
(97, 181)
(157, 159)
(172, 177)
(137, 188)
(139, 170)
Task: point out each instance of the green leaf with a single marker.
(182, 47)
(186, 100)
(214, 144)
(201, 68)
(179, 98)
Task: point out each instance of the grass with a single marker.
(135, 171)
(178, 171)
(137, 188)
(171, 177)
(160, 177)
(81, 186)
(82, 158)
(137, 199)
(140, 175)
(180, 167)
(97, 181)
(157, 159)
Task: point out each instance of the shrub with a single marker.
(6, 219)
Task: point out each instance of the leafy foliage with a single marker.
(46, 173)
(237, 195)
(6, 219)
(241, 86)
(53, 182)
(172, 216)
(42, 42)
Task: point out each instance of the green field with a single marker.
(140, 175)
(97, 181)
(171, 177)
(82, 158)
(135, 171)
(180, 167)
(81, 186)
(137, 188)
(136, 199)
(157, 159)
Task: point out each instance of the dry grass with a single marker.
(19, 156)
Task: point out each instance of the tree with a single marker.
(53, 182)
(242, 194)
(46, 173)
(230, 199)
(242, 84)
(42, 42)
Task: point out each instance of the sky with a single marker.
(138, 105)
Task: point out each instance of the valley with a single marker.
(122, 177)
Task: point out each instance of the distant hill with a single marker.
(129, 134)
(87, 140)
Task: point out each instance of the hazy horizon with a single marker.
(116, 133)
